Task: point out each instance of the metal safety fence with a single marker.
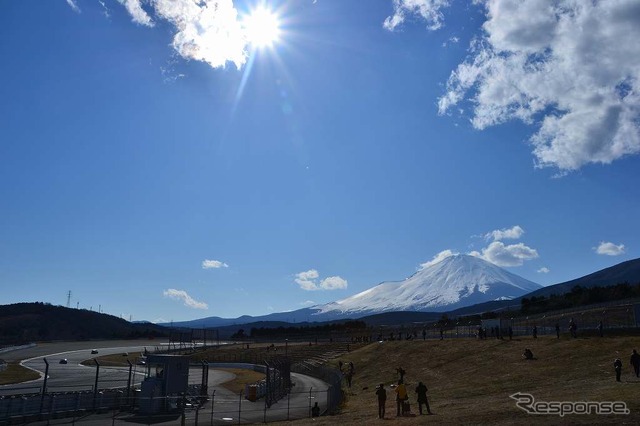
(115, 408)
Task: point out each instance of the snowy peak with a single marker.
(452, 283)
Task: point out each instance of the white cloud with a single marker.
(427, 10)
(543, 270)
(205, 30)
(307, 303)
(437, 258)
(138, 14)
(185, 298)
(213, 264)
(506, 255)
(333, 283)
(308, 280)
(570, 68)
(609, 249)
(512, 233)
(73, 5)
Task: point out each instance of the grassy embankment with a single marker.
(470, 381)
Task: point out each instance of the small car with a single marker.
(94, 351)
(63, 361)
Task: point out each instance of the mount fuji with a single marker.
(455, 282)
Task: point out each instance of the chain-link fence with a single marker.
(89, 407)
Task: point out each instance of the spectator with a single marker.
(401, 396)
(421, 390)
(617, 365)
(635, 362)
(381, 392)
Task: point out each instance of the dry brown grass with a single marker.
(470, 381)
(15, 373)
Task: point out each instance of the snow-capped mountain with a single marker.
(456, 281)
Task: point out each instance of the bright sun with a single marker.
(262, 27)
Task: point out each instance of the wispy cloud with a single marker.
(512, 233)
(428, 10)
(609, 249)
(105, 10)
(307, 303)
(213, 264)
(138, 14)
(438, 258)
(543, 270)
(308, 280)
(537, 62)
(73, 5)
(185, 298)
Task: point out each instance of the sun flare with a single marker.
(262, 27)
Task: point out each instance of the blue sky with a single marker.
(160, 165)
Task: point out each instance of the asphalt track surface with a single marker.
(225, 407)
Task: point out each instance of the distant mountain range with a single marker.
(455, 282)
(460, 285)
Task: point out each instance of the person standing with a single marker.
(600, 327)
(401, 372)
(573, 328)
(557, 330)
(401, 396)
(617, 365)
(535, 331)
(421, 390)
(635, 362)
(381, 392)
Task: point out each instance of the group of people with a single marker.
(402, 397)
(634, 361)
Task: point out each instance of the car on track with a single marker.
(94, 351)
(63, 361)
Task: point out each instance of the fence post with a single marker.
(184, 408)
(129, 380)
(264, 420)
(44, 385)
(239, 407)
(288, 403)
(310, 400)
(95, 386)
(213, 396)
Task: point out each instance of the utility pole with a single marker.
(68, 298)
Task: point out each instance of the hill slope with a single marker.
(27, 322)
